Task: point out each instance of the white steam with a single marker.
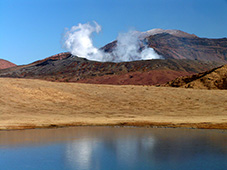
(128, 48)
(78, 41)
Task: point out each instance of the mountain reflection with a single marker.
(105, 148)
(93, 153)
(79, 153)
(150, 149)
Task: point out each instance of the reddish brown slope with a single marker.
(152, 77)
(59, 56)
(6, 64)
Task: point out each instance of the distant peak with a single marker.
(177, 33)
(6, 64)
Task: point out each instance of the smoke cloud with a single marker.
(78, 41)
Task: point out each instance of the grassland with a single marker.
(28, 103)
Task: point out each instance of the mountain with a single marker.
(177, 33)
(213, 79)
(6, 64)
(184, 54)
(176, 44)
(70, 68)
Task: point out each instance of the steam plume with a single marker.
(78, 41)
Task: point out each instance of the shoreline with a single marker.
(202, 125)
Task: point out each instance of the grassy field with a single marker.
(28, 103)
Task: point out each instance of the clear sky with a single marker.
(33, 29)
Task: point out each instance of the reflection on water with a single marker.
(89, 154)
(106, 148)
(79, 153)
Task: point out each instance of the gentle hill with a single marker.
(6, 64)
(213, 79)
(27, 103)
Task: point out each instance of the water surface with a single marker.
(108, 148)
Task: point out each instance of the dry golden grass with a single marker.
(35, 103)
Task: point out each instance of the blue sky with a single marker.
(33, 29)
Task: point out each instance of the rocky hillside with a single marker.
(69, 68)
(175, 44)
(6, 64)
(213, 79)
(184, 54)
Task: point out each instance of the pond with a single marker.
(113, 148)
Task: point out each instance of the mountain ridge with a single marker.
(66, 67)
(174, 32)
(183, 53)
(170, 46)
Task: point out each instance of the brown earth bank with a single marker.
(212, 79)
(26, 103)
(6, 64)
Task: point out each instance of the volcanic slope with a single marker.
(213, 79)
(6, 64)
(176, 44)
(183, 53)
(69, 68)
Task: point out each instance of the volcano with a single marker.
(69, 68)
(183, 54)
(176, 44)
